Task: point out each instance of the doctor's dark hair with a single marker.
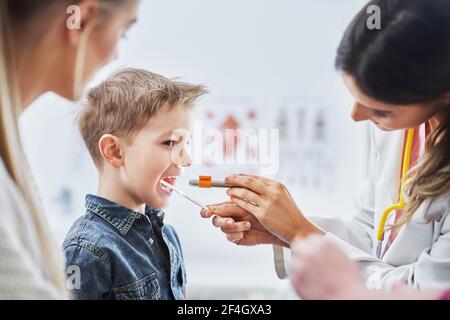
(405, 62)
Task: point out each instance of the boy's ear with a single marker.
(79, 16)
(110, 150)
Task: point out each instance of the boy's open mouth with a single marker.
(170, 180)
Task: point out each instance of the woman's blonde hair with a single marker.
(11, 150)
(431, 176)
(13, 156)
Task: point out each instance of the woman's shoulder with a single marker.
(22, 278)
(15, 213)
(439, 207)
(11, 200)
(5, 181)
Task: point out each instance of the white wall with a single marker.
(270, 52)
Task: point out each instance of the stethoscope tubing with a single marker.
(401, 203)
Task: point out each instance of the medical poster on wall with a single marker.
(295, 143)
(307, 151)
(225, 138)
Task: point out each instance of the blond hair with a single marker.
(431, 176)
(12, 154)
(126, 100)
(11, 151)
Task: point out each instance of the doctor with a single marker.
(399, 76)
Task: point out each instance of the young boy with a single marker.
(134, 126)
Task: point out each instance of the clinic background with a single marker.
(268, 64)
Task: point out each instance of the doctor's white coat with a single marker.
(419, 255)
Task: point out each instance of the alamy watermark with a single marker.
(73, 21)
(374, 20)
(241, 147)
(73, 277)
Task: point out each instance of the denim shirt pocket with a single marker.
(146, 288)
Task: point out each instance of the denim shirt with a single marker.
(122, 254)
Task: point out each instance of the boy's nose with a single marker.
(185, 160)
(359, 112)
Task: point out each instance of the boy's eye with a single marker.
(170, 143)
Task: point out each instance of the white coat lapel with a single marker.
(391, 157)
(389, 153)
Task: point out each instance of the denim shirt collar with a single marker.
(118, 216)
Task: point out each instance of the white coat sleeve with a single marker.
(357, 232)
(430, 271)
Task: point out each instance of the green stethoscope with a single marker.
(401, 203)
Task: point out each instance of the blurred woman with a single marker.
(44, 46)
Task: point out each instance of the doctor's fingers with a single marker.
(220, 222)
(248, 207)
(228, 225)
(253, 183)
(237, 227)
(263, 180)
(208, 213)
(228, 210)
(235, 237)
(247, 195)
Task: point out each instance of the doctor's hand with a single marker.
(272, 205)
(239, 225)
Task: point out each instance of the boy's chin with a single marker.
(158, 203)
